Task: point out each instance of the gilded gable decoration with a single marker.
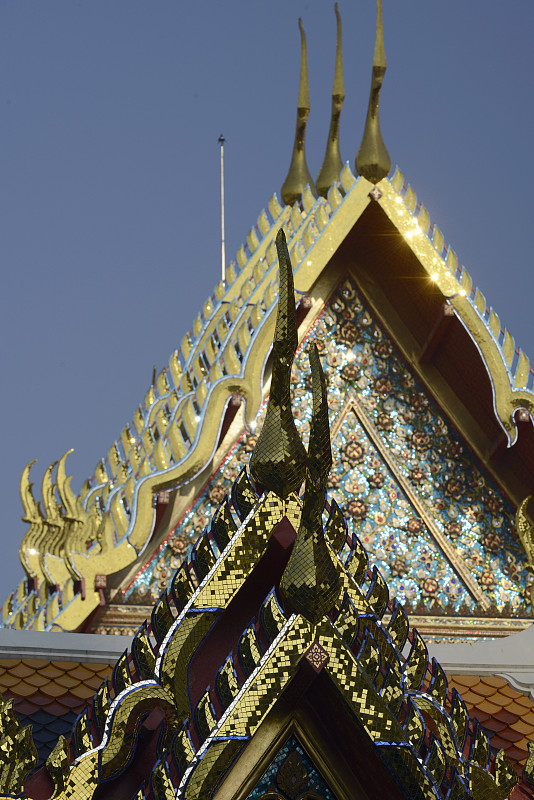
(180, 715)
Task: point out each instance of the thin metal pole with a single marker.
(223, 255)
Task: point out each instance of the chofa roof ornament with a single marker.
(373, 161)
(278, 462)
(310, 581)
(299, 175)
(332, 163)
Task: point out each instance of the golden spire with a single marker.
(332, 163)
(310, 580)
(278, 462)
(373, 161)
(299, 174)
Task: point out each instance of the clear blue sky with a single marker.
(110, 112)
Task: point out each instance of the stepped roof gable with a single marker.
(176, 432)
(229, 673)
(372, 229)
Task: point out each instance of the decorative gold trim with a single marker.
(288, 719)
(507, 371)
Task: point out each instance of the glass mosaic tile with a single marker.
(441, 531)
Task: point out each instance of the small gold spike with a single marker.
(525, 530)
(278, 462)
(31, 507)
(299, 175)
(226, 684)
(28, 552)
(18, 755)
(528, 770)
(332, 163)
(505, 774)
(162, 786)
(67, 496)
(57, 765)
(52, 511)
(373, 161)
(310, 580)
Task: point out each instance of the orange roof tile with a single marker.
(490, 680)
(22, 689)
(67, 681)
(8, 681)
(524, 726)
(514, 707)
(21, 670)
(9, 663)
(81, 672)
(487, 708)
(82, 691)
(37, 679)
(505, 713)
(524, 701)
(508, 691)
(465, 680)
(50, 671)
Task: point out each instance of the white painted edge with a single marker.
(81, 647)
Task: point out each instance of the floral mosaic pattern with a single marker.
(456, 502)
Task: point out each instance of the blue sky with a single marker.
(110, 111)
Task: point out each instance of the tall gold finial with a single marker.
(310, 580)
(299, 174)
(278, 462)
(373, 161)
(332, 163)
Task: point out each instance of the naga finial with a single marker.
(373, 161)
(28, 552)
(67, 496)
(278, 462)
(50, 505)
(30, 505)
(310, 580)
(299, 175)
(332, 163)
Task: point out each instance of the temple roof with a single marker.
(79, 550)
(276, 625)
(440, 319)
(217, 705)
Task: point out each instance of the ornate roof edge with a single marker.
(508, 368)
(169, 442)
